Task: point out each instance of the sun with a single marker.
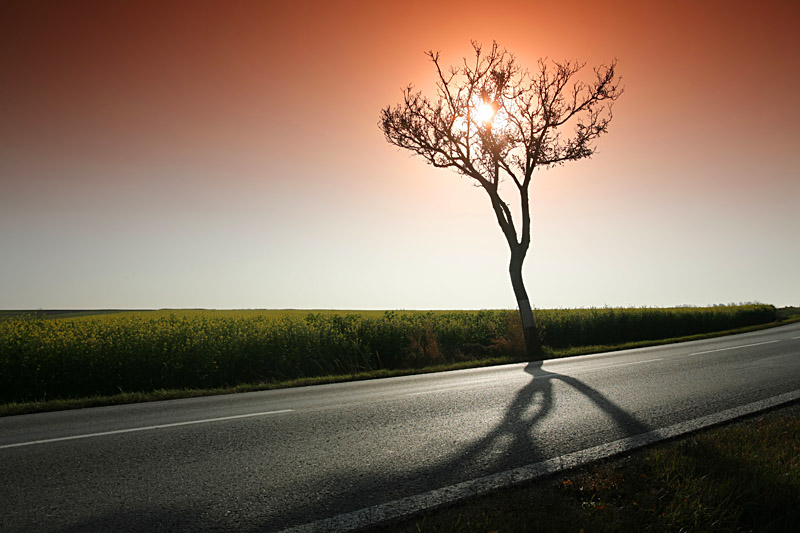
(489, 115)
(484, 112)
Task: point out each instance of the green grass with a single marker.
(788, 313)
(736, 478)
(16, 408)
(48, 359)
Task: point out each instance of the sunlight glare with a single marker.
(484, 112)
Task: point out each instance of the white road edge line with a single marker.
(614, 365)
(735, 347)
(474, 384)
(465, 386)
(144, 428)
(446, 495)
(433, 391)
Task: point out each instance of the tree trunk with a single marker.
(533, 344)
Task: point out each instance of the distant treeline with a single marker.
(150, 350)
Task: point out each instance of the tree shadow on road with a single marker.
(514, 441)
(518, 437)
(516, 432)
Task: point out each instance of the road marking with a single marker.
(432, 391)
(612, 365)
(460, 386)
(735, 347)
(143, 428)
(601, 367)
(404, 507)
(795, 338)
(505, 381)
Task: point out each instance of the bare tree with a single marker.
(492, 121)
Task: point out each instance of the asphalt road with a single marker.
(270, 460)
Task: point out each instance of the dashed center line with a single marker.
(735, 347)
(143, 428)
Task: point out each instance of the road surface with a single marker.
(271, 460)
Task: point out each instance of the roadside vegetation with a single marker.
(64, 362)
(737, 478)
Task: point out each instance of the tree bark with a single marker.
(533, 344)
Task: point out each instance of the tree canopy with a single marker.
(492, 120)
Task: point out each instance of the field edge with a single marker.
(12, 409)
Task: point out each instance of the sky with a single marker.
(227, 155)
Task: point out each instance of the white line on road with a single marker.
(505, 381)
(460, 386)
(613, 365)
(432, 391)
(144, 428)
(438, 497)
(734, 347)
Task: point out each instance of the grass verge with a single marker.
(743, 476)
(9, 409)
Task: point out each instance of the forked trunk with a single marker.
(533, 344)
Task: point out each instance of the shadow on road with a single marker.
(531, 405)
(511, 443)
(516, 438)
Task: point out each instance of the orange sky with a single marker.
(227, 154)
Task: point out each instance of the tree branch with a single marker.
(525, 132)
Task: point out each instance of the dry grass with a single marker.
(738, 478)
